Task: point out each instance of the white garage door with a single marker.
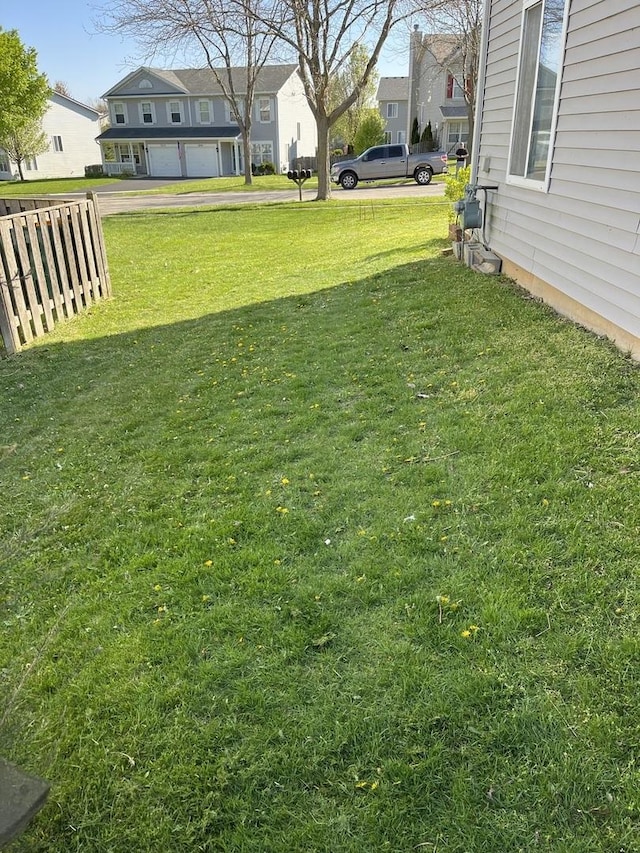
(164, 160)
(202, 160)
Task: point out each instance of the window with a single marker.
(145, 84)
(536, 90)
(402, 136)
(378, 153)
(387, 136)
(204, 112)
(147, 113)
(31, 164)
(175, 112)
(264, 108)
(392, 111)
(57, 143)
(298, 131)
(261, 152)
(456, 132)
(4, 162)
(118, 114)
(454, 89)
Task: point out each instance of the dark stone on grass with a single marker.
(21, 797)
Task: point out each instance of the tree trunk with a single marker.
(324, 184)
(246, 156)
(20, 172)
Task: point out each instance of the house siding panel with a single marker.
(582, 237)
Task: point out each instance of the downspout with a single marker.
(482, 77)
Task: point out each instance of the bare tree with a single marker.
(62, 88)
(462, 20)
(324, 34)
(228, 34)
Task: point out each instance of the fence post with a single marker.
(8, 330)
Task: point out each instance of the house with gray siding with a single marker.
(177, 123)
(71, 129)
(558, 133)
(435, 89)
(393, 104)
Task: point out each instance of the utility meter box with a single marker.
(471, 214)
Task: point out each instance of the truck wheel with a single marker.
(349, 180)
(423, 175)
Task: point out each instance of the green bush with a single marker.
(454, 187)
(94, 171)
(266, 169)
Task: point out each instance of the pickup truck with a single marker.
(389, 161)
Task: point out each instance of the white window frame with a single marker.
(388, 137)
(152, 112)
(259, 149)
(402, 137)
(57, 143)
(392, 109)
(264, 109)
(119, 110)
(528, 95)
(209, 107)
(179, 111)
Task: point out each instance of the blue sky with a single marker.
(70, 49)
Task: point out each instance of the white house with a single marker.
(72, 128)
(558, 133)
(177, 123)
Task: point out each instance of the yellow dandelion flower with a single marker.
(466, 633)
(282, 510)
(158, 587)
(284, 481)
(208, 562)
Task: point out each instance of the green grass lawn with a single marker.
(314, 540)
(53, 186)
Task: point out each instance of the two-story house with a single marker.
(558, 136)
(71, 128)
(435, 90)
(393, 104)
(178, 123)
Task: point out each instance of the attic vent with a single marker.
(145, 84)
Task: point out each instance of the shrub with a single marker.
(266, 169)
(94, 171)
(454, 188)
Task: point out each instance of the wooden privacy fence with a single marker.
(53, 265)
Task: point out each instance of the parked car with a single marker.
(389, 161)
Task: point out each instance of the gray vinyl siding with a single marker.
(583, 235)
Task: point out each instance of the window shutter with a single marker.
(449, 85)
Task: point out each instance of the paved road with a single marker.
(112, 199)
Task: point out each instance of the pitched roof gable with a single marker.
(393, 89)
(442, 46)
(201, 81)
